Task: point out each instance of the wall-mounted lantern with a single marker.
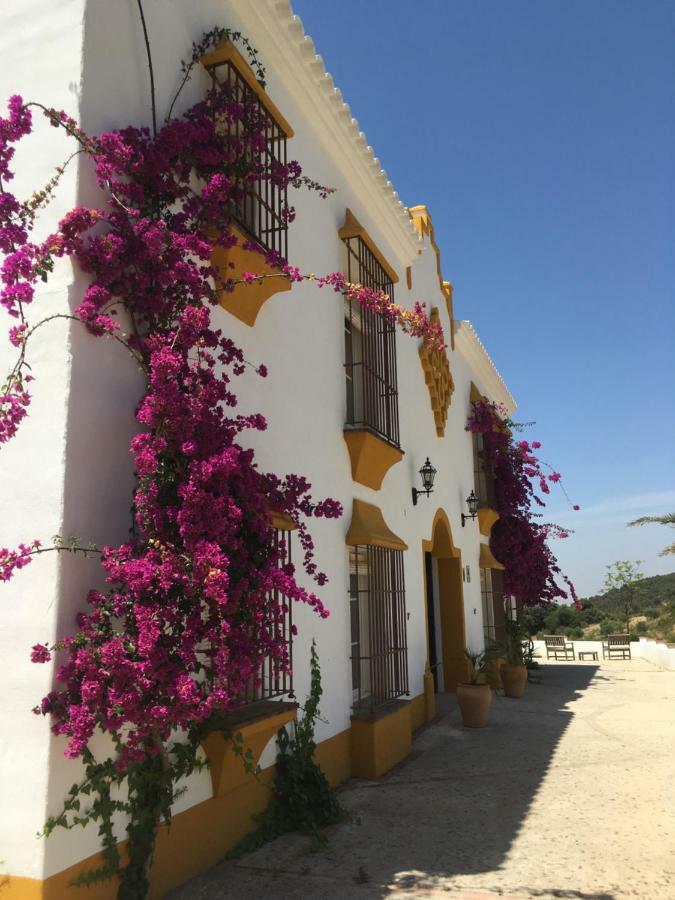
(472, 502)
(428, 474)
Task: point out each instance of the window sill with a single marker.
(258, 723)
(371, 456)
(381, 738)
(246, 300)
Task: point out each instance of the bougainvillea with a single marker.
(519, 542)
(188, 616)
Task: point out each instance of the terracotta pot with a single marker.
(513, 680)
(474, 702)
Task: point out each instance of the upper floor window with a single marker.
(483, 476)
(370, 342)
(379, 648)
(259, 203)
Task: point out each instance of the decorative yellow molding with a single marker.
(227, 52)
(371, 456)
(352, 228)
(421, 218)
(486, 519)
(227, 770)
(368, 527)
(487, 560)
(246, 300)
(282, 521)
(438, 378)
(381, 740)
(441, 544)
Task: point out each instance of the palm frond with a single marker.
(667, 550)
(667, 519)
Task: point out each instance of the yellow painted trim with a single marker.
(438, 379)
(421, 218)
(418, 711)
(441, 545)
(198, 839)
(429, 695)
(381, 742)
(475, 395)
(227, 52)
(486, 519)
(370, 456)
(246, 300)
(487, 560)
(353, 228)
(368, 527)
(451, 604)
(227, 770)
(282, 521)
(334, 756)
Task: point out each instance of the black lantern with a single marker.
(428, 474)
(472, 502)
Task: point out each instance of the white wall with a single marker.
(70, 471)
(656, 652)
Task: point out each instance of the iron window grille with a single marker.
(492, 599)
(483, 476)
(274, 676)
(379, 649)
(259, 203)
(370, 349)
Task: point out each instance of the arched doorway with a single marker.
(446, 637)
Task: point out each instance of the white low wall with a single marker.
(657, 652)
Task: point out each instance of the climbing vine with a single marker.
(180, 632)
(517, 540)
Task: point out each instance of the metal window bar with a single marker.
(378, 615)
(484, 479)
(370, 349)
(258, 202)
(492, 598)
(275, 676)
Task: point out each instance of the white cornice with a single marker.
(281, 39)
(490, 381)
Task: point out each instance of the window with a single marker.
(259, 202)
(483, 477)
(379, 650)
(275, 676)
(370, 347)
(492, 598)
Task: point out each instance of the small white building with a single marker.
(351, 404)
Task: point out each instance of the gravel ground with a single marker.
(569, 792)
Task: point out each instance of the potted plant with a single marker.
(475, 696)
(513, 672)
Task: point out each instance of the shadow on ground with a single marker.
(452, 810)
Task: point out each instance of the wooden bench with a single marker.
(557, 646)
(616, 646)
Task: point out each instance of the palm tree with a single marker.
(667, 519)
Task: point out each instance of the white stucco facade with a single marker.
(69, 470)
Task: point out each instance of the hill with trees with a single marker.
(652, 613)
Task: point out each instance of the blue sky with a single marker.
(542, 137)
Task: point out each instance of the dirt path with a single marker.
(569, 793)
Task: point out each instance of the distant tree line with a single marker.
(651, 612)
